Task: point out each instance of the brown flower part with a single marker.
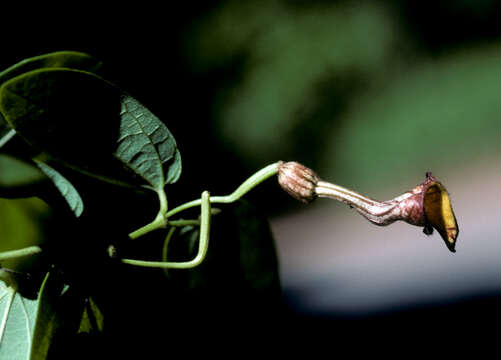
(298, 180)
(427, 205)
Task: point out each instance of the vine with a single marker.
(134, 150)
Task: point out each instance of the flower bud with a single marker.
(298, 180)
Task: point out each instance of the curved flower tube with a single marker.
(427, 205)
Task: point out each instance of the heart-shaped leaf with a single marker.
(146, 145)
(86, 123)
(60, 59)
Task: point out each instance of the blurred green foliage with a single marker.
(15, 173)
(292, 58)
(436, 116)
(22, 225)
(349, 87)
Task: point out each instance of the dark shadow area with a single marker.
(459, 322)
(441, 26)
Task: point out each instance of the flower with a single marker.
(427, 205)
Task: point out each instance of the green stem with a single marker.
(246, 186)
(182, 222)
(161, 219)
(30, 250)
(167, 242)
(158, 223)
(165, 248)
(163, 201)
(203, 243)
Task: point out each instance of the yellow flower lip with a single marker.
(438, 211)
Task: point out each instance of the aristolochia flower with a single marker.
(427, 205)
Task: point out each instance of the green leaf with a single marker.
(67, 113)
(19, 313)
(58, 313)
(46, 320)
(17, 176)
(147, 146)
(60, 59)
(66, 189)
(88, 124)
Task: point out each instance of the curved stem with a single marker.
(165, 248)
(166, 243)
(30, 250)
(161, 219)
(203, 243)
(246, 186)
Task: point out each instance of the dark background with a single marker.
(371, 94)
